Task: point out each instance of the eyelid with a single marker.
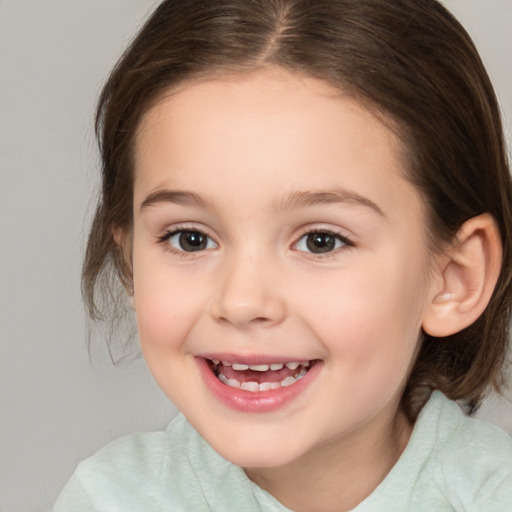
(336, 232)
(185, 226)
(348, 241)
(179, 233)
(163, 239)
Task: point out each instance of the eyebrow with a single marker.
(182, 197)
(294, 201)
(313, 198)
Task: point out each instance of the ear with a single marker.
(468, 273)
(123, 240)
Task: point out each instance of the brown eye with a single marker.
(191, 241)
(319, 242)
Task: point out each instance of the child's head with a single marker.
(405, 66)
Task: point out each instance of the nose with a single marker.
(248, 295)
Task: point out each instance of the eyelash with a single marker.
(165, 238)
(337, 237)
(345, 241)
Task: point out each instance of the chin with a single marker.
(257, 451)
(257, 458)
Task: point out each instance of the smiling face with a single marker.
(273, 225)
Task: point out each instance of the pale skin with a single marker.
(255, 164)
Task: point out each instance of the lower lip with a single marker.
(261, 401)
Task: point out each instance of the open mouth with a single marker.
(259, 377)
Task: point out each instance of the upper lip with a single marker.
(253, 359)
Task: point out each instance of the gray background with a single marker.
(55, 407)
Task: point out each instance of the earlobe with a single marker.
(468, 273)
(119, 236)
(123, 241)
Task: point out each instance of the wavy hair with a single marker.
(408, 60)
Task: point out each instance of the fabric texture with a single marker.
(451, 463)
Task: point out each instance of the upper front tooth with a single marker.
(292, 365)
(259, 367)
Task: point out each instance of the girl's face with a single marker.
(273, 225)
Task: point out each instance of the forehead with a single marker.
(271, 126)
(233, 100)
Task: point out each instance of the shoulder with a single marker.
(474, 460)
(126, 457)
(125, 474)
(155, 472)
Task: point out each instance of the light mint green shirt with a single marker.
(451, 463)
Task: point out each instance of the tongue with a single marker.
(259, 377)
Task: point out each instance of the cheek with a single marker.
(370, 320)
(162, 308)
(165, 316)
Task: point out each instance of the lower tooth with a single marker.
(288, 381)
(267, 386)
(233, 383)
(250, 386)
(264, 386)
(301, 373)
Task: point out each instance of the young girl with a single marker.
(309, 206)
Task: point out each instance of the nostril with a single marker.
(244, 306)
(260, 320)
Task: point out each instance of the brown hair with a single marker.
(407, 59)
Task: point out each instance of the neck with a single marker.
(340, 474)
